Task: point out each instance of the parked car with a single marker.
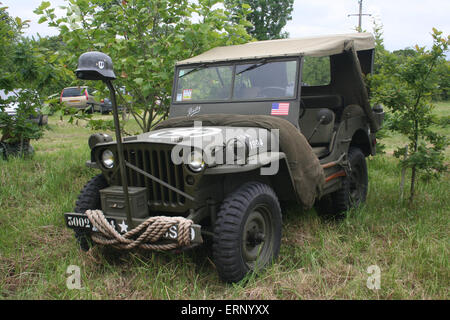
(79, 97)
(105, 106)
(11, 108)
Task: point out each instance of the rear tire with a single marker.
(89, 199)
(43, 120)
(104, 110)
(89, 108)
(353, 192)
(247, 232)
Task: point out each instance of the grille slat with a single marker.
(140, 161)
(155, 160)
(171, 175)
(180, 183)
(169, 178)
(161, 176)
(155, 187)
(146, 164)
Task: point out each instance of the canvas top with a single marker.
(311, 46)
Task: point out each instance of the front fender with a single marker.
(272, 165)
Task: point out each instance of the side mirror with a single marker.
(95, 65)
(325, 116)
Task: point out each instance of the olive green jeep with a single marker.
(249, 127)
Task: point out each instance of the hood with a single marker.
(255, 138)
(215, 142)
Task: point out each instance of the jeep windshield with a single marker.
(261, 79)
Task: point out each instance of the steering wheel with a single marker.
(302, 109)
(273, 92)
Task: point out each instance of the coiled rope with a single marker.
(144, 235)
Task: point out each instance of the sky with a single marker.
(405, 22)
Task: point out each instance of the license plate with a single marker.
(83, 222)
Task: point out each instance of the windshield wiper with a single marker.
(193, 70)
(253, 66)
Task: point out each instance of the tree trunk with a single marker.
(402, 181)
(414, 169)
(413, 182)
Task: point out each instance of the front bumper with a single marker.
(81, 223)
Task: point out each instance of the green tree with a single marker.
(443, 70)
(10, 32)
(316, 71)
(144, 39)
(54, 75)
(268, 17)
(17, 131)
(405, 83)
(15, 72)
(29, 72)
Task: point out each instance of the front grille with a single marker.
(156, 160)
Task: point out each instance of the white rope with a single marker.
(144, 235)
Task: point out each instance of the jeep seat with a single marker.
(247, 93)
(320, 151)
(308, 121)
(330, 101)
(311, 104)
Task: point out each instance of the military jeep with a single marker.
(273, 136)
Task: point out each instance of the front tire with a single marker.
(247, 232)
(89, 199)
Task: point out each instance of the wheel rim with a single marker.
(257, 238)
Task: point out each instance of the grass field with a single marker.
(318, 259)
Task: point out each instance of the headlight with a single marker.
(196, 163)
(108, 159)
(237, 150)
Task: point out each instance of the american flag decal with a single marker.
(280, 109)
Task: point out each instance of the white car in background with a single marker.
(11, 108)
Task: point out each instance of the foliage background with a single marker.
(145, 40)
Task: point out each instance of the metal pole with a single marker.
(360, 16)
(123, 173)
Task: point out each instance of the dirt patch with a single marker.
(15, 276)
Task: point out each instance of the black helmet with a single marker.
(95, 65)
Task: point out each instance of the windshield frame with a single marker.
(234, 64)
